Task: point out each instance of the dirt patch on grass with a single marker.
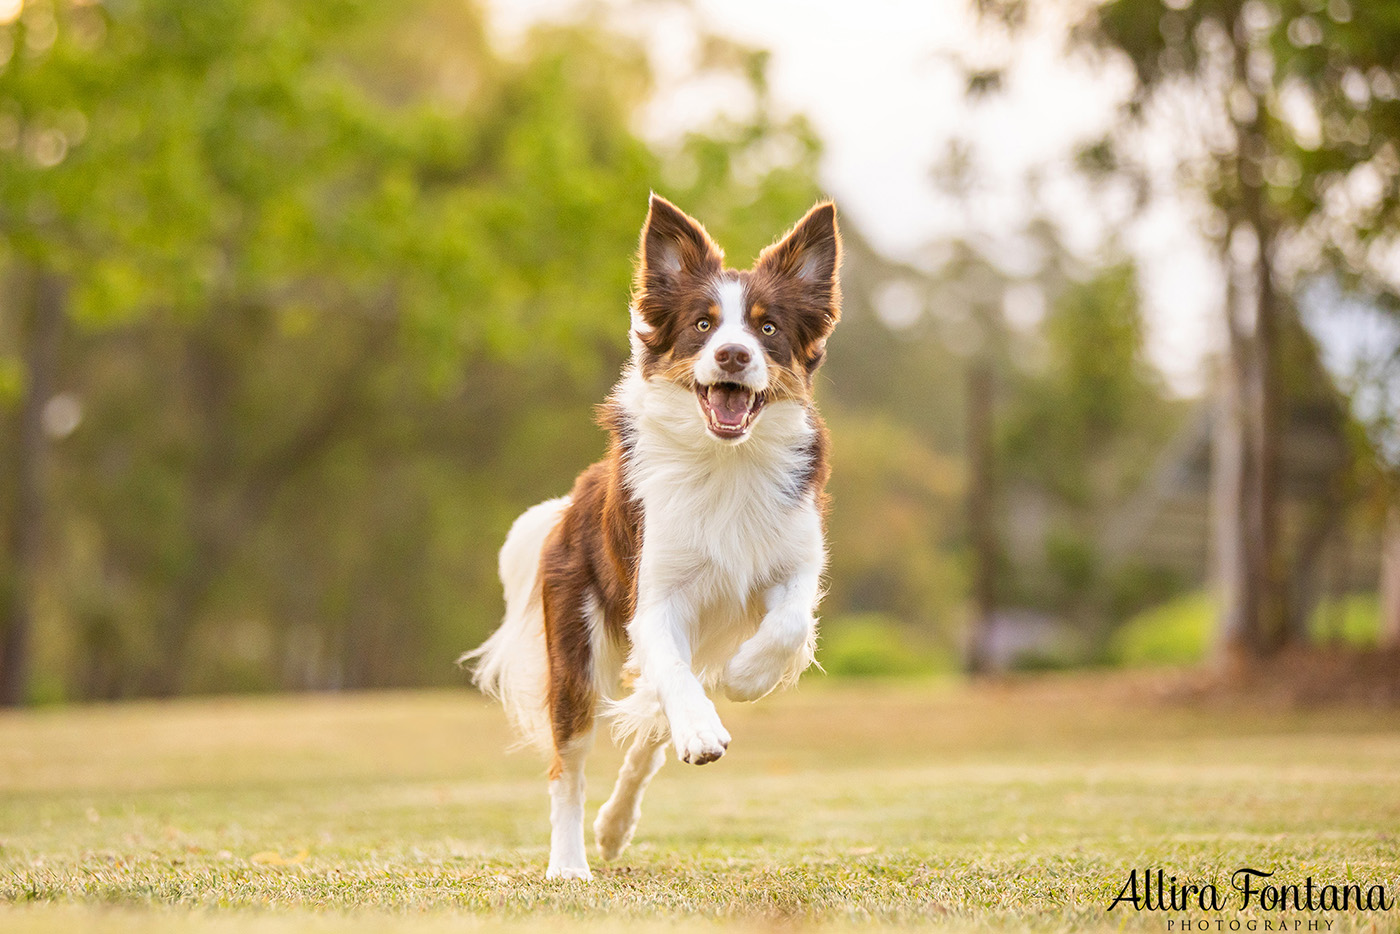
(1301, 677)
(1296, 678)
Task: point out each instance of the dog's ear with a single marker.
(673, 242)
(675, 252)
(806, 264)
(810, 252)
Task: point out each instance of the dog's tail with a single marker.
(512, 665)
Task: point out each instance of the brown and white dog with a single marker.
(690, 558)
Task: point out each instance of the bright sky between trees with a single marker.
(883, 84)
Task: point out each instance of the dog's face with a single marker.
(740, 340)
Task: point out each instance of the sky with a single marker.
(881, 82)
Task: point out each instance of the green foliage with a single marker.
(1066, 659)
(893, 522)
(1351, 620)
(1174, 633)
(1136, 585)
(1072, 561)
(874, 645)
(1322, 75)
(1082, 424)
(253, 154)
(1084, 419)
(1294, 115)
(11, 381)
(1179, 632)
(345, 285)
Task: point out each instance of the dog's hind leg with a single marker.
(568, 857)
(573, 703)
(617, 819)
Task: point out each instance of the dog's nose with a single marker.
(732, 358)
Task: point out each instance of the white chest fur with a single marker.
(722, 522)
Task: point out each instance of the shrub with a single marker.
(1173, 633)
(872, 645)
(1181, 631)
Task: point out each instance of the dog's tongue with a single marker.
(730, 403)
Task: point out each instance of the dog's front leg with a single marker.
(783, 646)
(662, 654)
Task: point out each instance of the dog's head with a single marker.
(740, 340)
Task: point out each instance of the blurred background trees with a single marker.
(303, 304)
(1294, 109)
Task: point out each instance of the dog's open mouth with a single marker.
(729, 408)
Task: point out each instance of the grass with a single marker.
(1020, 806)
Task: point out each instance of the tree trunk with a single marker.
(1232, 476)
(981, 517)
(1390, 579)
(1325, 529)
(1255, 611)
(1254, 606)
(40, 351)
(1266, 421)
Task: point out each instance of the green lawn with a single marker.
(1014, 806)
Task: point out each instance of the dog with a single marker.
(690, 559)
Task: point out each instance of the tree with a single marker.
(217, 166)
(1084, 421)
(324, 274)
(1284, 112)
(34, 249)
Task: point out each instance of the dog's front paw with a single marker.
(698, 736)
(702, 746)
(752, 673)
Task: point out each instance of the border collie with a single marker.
(690, 559)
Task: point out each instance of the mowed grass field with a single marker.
(1012, 806)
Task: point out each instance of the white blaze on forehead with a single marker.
(732, 329)
(731, 306)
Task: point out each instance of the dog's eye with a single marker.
(703, 324)
(770, 329)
